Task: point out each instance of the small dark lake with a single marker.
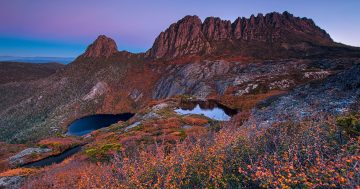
(210, 109)
(54, 159)
(91, 123)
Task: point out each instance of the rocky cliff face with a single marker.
(101, 47)
(190, 36)
(278, 27)
(209, 78)
(181, 38)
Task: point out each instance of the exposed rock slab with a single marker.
(13, 182)
(19, 157)
(336, 95)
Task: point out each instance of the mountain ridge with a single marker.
(270, 36)
(191, 36)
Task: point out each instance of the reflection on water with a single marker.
(209, 109)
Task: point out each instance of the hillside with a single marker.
(293, 94)
(230, 76)
(24, 72)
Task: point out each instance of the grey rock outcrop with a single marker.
(13, 182)
(19, 157)
(336, 95)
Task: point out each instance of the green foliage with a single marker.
(186, 97)
(58, 134)
(166, 112)
(34, 155)
(215, 126)
(102, 151)
(118, 126)
(146, 139)
(138, 128)
(350, 124)
(182, 134)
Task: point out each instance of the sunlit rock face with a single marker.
(181, 38)
(191, 36)
(101, 47)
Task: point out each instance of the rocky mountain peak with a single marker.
(190, 36)
(181, 38)
(101, 47)
(216, 29)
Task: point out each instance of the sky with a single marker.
(64, 28)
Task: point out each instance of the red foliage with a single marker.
(306, 155)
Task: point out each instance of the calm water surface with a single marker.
(54, 159)
(210, 109)
(91, 123)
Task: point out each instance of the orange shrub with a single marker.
(195, 120)
(196, 131)
(17, 172)
(286, 155)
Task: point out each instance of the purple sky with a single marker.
(66, 27)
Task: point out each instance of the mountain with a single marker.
(275, 35)
(294, 93)
(102, 47)
(237, 64)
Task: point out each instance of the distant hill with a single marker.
(18, 71)
(63, 60)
